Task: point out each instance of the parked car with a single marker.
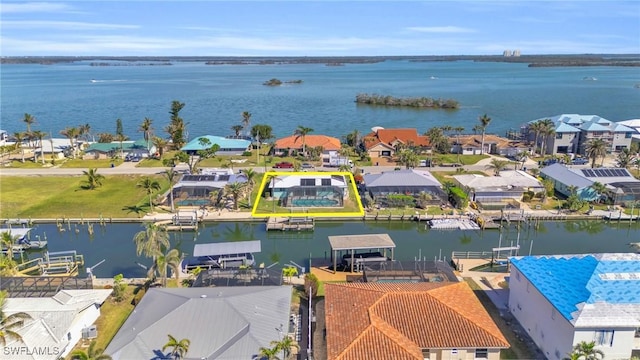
(307, 166)
(579, 161)
(283, 165)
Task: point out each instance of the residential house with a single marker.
(292, 145)
(408, 182)
(139, 148)
(621, 185)
(227, 146)
(220, 322)
(197, 189)
(634, 124)
(426, 320)
(562, 300)
(309, 190)
(510, 185)
(57, 323)
(493, 144)
(381, 143)
(573, 132)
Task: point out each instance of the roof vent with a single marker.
(203, 296)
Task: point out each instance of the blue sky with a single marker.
(322, 28)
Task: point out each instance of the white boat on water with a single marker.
(222, 255)
(21, 240)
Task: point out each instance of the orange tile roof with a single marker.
(397, 321)
(294, 142)
(389, 136)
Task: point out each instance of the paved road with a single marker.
(129, 168)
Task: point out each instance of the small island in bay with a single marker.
(277, 82)
(416, 102)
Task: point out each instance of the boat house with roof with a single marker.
(562, 300)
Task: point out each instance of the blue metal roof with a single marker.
(224, 143)
(593, 126)
(566, 128)
(567, 281)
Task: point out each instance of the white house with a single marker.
(562, 300)
(56, 323)
(309, 190)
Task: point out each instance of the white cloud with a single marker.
(34, 7)
(64, 25)
(440, 29)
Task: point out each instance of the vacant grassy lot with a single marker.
(112, 316)
(85, 164)
(63, 196)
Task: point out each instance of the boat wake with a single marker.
(104, 81)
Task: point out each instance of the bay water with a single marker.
(64, 94)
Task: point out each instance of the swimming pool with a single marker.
(192, 202)
(317, 202)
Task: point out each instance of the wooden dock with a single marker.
(290, 224)
(65, 263)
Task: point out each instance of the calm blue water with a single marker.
(63, 95)
(114, 243)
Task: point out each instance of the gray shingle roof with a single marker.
(220, 322)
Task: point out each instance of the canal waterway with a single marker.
(114, 242)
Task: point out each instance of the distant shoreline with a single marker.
(531, 60)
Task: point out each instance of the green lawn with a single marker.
(28, 164)
(464, 159)
(101, 163)
(112, 316)
(63, 196)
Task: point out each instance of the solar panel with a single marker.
(608, 172)
(224, 177)
(588, 172)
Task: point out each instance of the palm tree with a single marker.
(484, 122)
(599, 188)
(161, 263)
(72, 134)
(151, 240)
(588, 351)
(547, 128)
(235, 189)
(147, 130)
(535, 127)
(85, 131)
(624, 158)
(301, 132)
(150, 186)
(251, 176)
(496, 165)
(40, 135)
(29, 120)
(594, 149)
(246, 121)
(7, 240)
(93, 180)
(353, 139)
(160, 144)
(237, 129)
(458, 130)
(266, 353)
(286, 345)
(121, 138)
(90, 354)
(19, 136)
(10, 323)
(178, 348)
(171, 175)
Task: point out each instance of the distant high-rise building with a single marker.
(506, 53)
(516, 52)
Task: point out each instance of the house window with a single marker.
(553, 314)
(558, 135)
(326, 182)
(604, 337)
(454, 351)
(425, 354)
(482, 354)
(307, 182)
(528, 286)
(627, 135)
(518, 275)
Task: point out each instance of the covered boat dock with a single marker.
(223, 255)
(352, 243)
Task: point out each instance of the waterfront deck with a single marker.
(60, 263)
(290, 224)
